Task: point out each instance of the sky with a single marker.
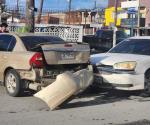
(63, 4)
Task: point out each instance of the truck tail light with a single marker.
(68, 45)
(37, 60)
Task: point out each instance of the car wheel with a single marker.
(13, 83)
(147, 82)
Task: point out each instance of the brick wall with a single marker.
(75, 17)
(48, 19)
(111, 3)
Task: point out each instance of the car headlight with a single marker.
(128, 65)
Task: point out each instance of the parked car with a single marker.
(102, 41)
(126, 66)
(30, 60)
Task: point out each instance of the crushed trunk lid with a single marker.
(68, 53)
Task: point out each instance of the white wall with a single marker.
(129, 4)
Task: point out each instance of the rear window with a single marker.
(33, 41)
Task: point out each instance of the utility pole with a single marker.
(115, 23)
(138, 29)
(0, 11)
(40, 11)
(95, 4)
(17, 5)
(70, 1)
(2, 7)
(85, 16)
(17, 10)
(30, 14)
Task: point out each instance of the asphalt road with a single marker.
(91, 108)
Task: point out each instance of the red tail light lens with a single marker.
(37, 60)
(67, 45)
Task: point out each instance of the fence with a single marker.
(66, 32)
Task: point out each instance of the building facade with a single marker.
(83, 17)
(143, 7)
(111, 3)
(146, 5)
(109, 16)
(127, 20)
(52, 18)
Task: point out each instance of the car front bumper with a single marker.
(119, 80)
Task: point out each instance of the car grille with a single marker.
(105, 67)
(102, 67)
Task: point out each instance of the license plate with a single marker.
(67, 55)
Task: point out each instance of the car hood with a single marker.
(112, 58)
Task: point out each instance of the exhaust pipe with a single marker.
(35, 86)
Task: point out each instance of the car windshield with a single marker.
(99, 33)
(133, 46)
(33, 41)
(107, 34)
(121, 34)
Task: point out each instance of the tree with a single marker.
(40, 11)
(30, 8)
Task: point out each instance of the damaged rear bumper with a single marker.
(66, 85)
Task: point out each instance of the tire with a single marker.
(13, 83)
(147, 82)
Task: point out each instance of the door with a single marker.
(7, 43)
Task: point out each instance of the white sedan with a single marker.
(126, 66)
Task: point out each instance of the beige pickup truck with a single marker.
(30, 62)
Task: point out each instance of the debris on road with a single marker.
(66, 85)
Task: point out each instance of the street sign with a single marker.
(132, 10)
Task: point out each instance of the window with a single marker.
(107, 34)
(7, 42)
(99, 33)
(121, 34)
(133, 46)
(33, 41)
